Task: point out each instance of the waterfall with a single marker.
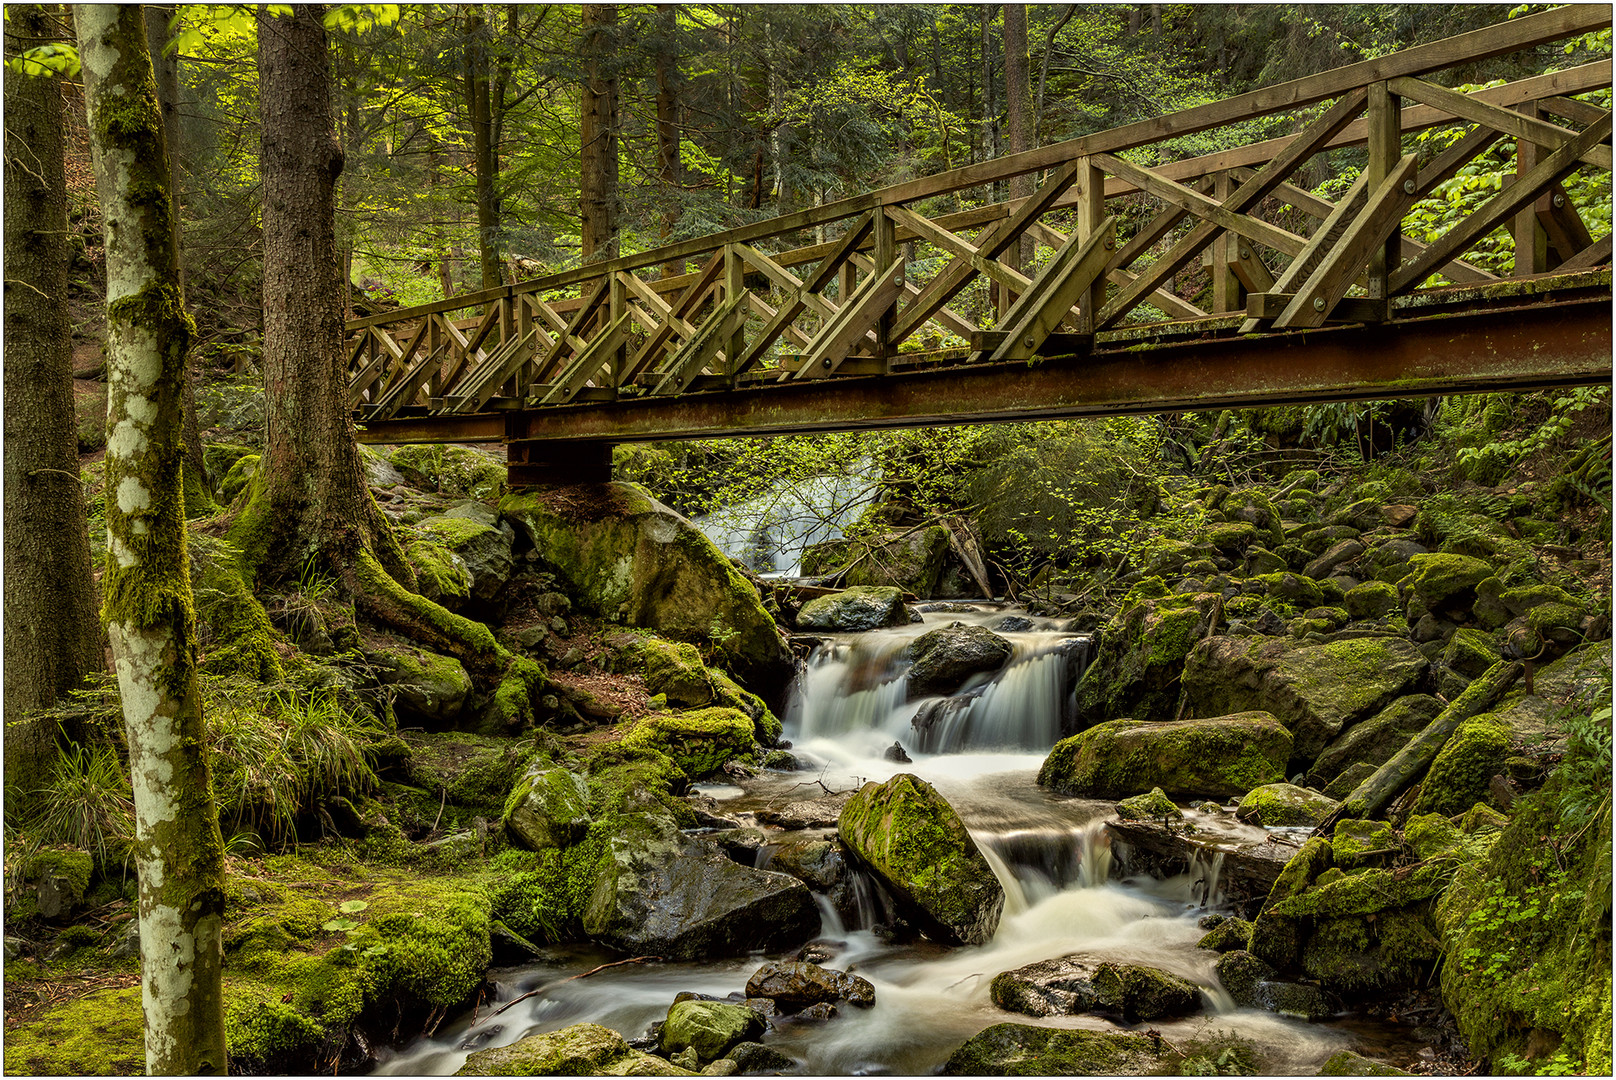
(768, 534)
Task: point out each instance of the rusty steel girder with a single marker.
(1534, 346)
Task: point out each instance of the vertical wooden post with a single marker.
(1531, 239)
(1385, 149)
(1225, 255)
(616, 305)
(524, 326)
(886, 262)
(434, 340)
(1090, 189)
(734, 286)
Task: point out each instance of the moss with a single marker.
(99, 1034)
(70, 867)
(239, 638)
(1274, 805)
(239, 475)
(1460, 775)
(700, 742)
(1024, 1050)
(1445, 580)
(731, 695)
(1354, 838)
(440, 574)
(1219, 758)
(1152, 806)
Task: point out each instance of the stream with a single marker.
(981, 749)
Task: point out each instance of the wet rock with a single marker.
(897, 753)
(794, 985)
(1140, 992)
(1283, 804)
(1074, 984)
(855, 610)
(708, 1027)
(579, 1050)
(1249, 866)
(1241, 973)
(1222, 757)
(822, 813)
(1024, 1050)
(818, 864)
(1135, 671)
(1375, 740)
(1153, 806)
(1304, 1001)
(915, 843)
(813, 1014)
(549, 808)
(754, 1058)
(1314, 690)
(943, 659)
(661, 893)
(722, 1067)
(1227, 936)
(1351, 1063)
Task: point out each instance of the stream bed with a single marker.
(1064, 894)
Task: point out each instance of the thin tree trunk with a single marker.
(1018, 114)
(309, 498)
(485, 161)
(670, 170)
(149, 609)
(598, 133)
(52, 638)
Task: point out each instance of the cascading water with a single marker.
(768, 534)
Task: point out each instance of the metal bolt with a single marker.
(1408, 187)
(1559, 201)
(825, 363)
(1030, 341)
(898, 280)
(1245, 253)
(1318, 303)
(1109, 244)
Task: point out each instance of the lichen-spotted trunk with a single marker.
(148, 607)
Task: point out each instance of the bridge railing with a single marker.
(1118, 232)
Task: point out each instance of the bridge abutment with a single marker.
(553, 462)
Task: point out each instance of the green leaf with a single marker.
(335, 925)
(348, 907)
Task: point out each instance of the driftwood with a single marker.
(581, 975)
(1410, 763)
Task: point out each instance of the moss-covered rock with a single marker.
(1470, 652)
(943, 659)
(1460, 775)
(916, 844)
(1444, 582)
(1217, 758)
(548, 808)
(1375, 740)
(440, 575)
(1354, 841)
(238, 477)
(1314, 690)
(1243, 975)
(579, 1050)
(233, 628)
(731, 695)
(1023, 1050)
(426, 687)
(709, 1027)
(1283, 804)
(1154, 805)
(1227, 936)
(451, 470)
(482, 549)
(1351, 1063)
(1252, 506)
(700, 742)
(624, 556)
(1372, 600)
(59, 878)
(864, 607)
(1135, 671)
(1141, 992)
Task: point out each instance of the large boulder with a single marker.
(548, 808)
(425, 686)
(1024, 1050)
(1135, 671)
(1069, 985)
(916, 844)
(795, 985)
(1219, 758)
(658, 892)
(711, 1027)
(1283, 804)
(485, 551)
(855, 610)
(1375, 740)
(624, 556)
(579, 1050)
(700, 742)
(1314, 690)
(943, 659)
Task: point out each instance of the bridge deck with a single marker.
(1128, 282)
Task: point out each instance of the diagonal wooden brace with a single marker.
(1039, 310)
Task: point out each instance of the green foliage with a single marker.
(87, 805)
(1586, 768)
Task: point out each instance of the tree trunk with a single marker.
(485, 156)
(52, 639)
(309, 498)
(165, 66)
(1409, 763)
(149, 611)
(670, 169)
(598, 132)
(1018, 114)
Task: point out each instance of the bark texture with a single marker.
(480, 108)
(670, 169)
(309, 500)
(598, 123)
(149, 612)
(51, 635)
(1018, 113)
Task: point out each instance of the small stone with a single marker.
(896, 752)
(686, 1059)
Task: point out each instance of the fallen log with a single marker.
(1410, 763)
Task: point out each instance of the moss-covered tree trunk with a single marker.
(51, 636)
(148, 607)
(309, 498)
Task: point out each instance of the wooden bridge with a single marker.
(1112, 312)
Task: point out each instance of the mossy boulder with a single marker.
(579, 1050)
(1227, 936)
(1283, 804)
(440, 575)
(1252, 506)
(1355, 841)
(1074, 984)
(670, 668)
(654, 891)
(1024, 1050)
(1314, 690)
(1154, 805)
(451, 470)
(1375, 740)
(910, 559)
(624, 556)
(1444, 582)
(484, 550)
(1372, 600)
(909, 836)
(731, 695)
(1466, 764)
(1351, 1063)
(59, 877)
(240, 474)
(548, 808)
(1470, 652)
(1244, 975)
(1136, 668)
(700, 741)
(710, 1027)
(1217, 758)
(426, 687)
(855, 610)
(943, 659)
(1141, 992)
